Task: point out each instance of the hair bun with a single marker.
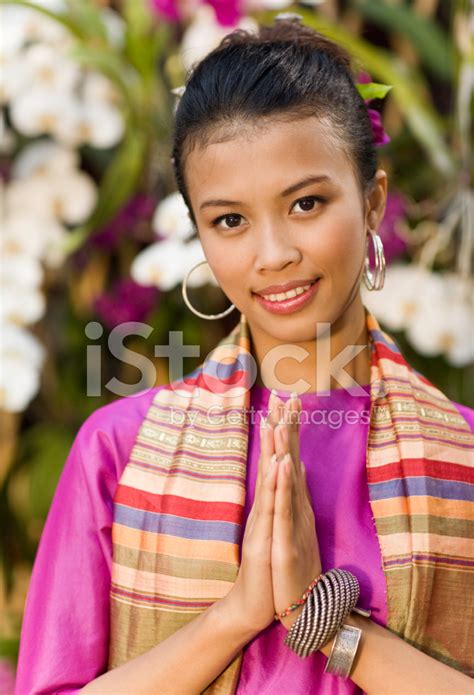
(288, 28)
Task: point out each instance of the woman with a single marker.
(175, 535)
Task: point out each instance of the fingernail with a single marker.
(273, 460)
(296, 397)
(273, 394)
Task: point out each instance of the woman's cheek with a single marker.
(229, 271)
(340, 247)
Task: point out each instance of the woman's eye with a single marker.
(217, 221)
(233, 219)
(307, 203)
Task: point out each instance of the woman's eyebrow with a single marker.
(221, 202)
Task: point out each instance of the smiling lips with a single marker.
(289, 301)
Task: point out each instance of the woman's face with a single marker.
(271, 235)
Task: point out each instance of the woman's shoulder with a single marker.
(122, 415)
(106, 437)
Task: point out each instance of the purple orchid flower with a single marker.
(395, 212)
(228, 12)
(379, 134)
(127, 301)
(136, 212)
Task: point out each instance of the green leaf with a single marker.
(110, 64)
(63, 19)
(373, 90)
(430, 41)
(119, 182)
(48, 447)
(410, 90)
(9, 647)
(87, 15)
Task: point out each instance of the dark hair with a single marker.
(284, 71)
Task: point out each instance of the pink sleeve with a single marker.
(467, 413)
(65, 630)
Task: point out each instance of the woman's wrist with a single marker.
(354, 619)
(230, 615)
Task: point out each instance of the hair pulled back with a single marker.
(284, 71)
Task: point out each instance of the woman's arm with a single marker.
(65, 628)
(183, 664)
(66, 621)
(385, 664)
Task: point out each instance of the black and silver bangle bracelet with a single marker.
(324, 611)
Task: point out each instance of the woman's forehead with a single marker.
(269, 158)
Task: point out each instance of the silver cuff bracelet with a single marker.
(343, 651)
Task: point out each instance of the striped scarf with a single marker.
(178, 507)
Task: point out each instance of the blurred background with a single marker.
(94, 234)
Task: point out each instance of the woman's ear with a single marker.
(376, 200)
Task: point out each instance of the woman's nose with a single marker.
(275, 249)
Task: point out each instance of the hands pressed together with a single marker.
(280, 552)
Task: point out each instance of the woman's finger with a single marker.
(293, 407)
(281, 438)
(305, 483)
(267, 448)
(283, 526)
(263, 522)
(282, 443)
(275, 408)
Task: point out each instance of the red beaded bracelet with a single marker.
(300, 601)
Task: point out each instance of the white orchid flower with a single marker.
(10, 82)
(444, 324)
(204, 34)
(97, 88)
(21, 305)
(17, 341)
(21, 358)
(31, 25)
(7, 136)
(171, 217)
(20, 269)
(434, 309)
(252, 5)
(160, 264)
(14, 36)
(165, 264)
(114, 26)
(203, 274)
(31, 234)
(19, 384)
(44, 67)
(69, 197)
(43, 158)
(399, 300)
(100, 125)
(37, 111)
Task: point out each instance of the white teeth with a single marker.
(287, 295)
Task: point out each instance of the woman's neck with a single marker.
(336, 358)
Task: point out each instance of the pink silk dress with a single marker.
(65, 630)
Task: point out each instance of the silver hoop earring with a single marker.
(374, 280)
(195, 311)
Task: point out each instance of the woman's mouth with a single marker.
(287, 302)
